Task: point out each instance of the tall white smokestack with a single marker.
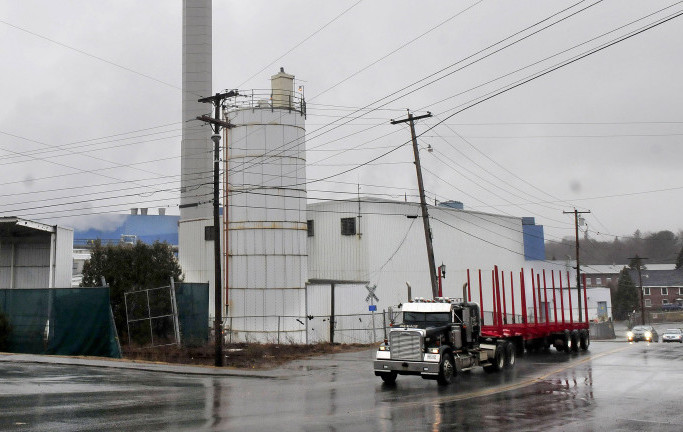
(196, 165)
(195, 248)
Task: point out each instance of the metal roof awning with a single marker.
(17, 227)
(335, 282)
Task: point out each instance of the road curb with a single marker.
(141, 366)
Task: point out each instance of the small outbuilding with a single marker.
(34, 255)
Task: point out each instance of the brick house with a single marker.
(661, 287)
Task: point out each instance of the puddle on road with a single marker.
(308, 368)
(550, 402)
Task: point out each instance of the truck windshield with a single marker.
(426, 319)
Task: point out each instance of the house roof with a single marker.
(598, 269)
(659, 278)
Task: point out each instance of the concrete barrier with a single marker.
(603, 330)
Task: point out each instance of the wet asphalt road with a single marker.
(615, 386)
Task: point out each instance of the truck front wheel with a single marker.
(498, 360)
(446, 370)
(389, 377)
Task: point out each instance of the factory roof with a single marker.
(130, 228)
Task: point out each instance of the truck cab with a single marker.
(436, 339)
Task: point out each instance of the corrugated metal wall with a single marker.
(32, 263)
(63, 257)
(331, 254)
(41, 260)
(352, 320)
(392, 249)
(197, 255)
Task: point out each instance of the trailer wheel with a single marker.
(584, 339)
(574, 337)
(389, 378)
(566, 341)
(498, 362)
(510, 355)
(446, 370)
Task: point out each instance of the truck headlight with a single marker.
(648, 335)
(629, 334)
(433, 350)
(384, 347)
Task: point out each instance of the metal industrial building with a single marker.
(382, 243)
(275, 277)
(34, 255)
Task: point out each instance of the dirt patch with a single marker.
(238, 355)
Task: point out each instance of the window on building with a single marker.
(310, 227)
(646, 290)
(648, 303)
(348, 226)
(598, 281)
(665, 291)
(208, 233)
(665, 302)
(609, 280)
(680, 290)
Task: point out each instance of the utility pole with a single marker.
(423, 202)
(636, 260)
(217, 123)
(578, 264)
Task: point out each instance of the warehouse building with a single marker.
(34, 255)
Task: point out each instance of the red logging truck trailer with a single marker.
(443, 336)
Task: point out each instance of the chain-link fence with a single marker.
(635, 317)
(365, 328)
(152, 317)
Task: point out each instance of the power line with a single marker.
(109, 62)
(484, 170)
(548, 70)
(394, 51)
(67, 149)
(333, 126)
(303, 41)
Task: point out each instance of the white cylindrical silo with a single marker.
(267, 254)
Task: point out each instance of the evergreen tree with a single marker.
(626, 298)
(679, 260)
(127, 268)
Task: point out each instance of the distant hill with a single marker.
(659, 247)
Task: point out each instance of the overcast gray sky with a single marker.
(91, 116)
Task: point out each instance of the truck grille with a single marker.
(406, 346)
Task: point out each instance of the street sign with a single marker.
(372, 307)
(372, 298)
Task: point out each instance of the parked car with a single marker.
(643, 333)
(672, 335)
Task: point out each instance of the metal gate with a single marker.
(152, 317)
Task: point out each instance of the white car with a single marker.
(672, 335)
